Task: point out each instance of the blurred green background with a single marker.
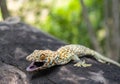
(65, 19)
(61, 18)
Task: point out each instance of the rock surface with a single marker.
(17, 40)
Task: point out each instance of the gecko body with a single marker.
(42, 59)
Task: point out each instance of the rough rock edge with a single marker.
(67, 74)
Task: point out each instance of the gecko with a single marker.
(42, 59)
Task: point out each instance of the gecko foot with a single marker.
(82, 64)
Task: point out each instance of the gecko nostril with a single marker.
(29, 58)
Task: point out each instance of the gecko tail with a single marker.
(99, 56)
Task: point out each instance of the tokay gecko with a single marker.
(42, 59)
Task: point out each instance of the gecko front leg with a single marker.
(80, 63)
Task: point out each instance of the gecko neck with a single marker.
(56, 57)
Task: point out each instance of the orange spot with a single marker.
(48, 60)
(42, 57)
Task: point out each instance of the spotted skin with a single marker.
(64, 55)
(67, 53)
(46, 56)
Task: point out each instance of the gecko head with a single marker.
(39, 59)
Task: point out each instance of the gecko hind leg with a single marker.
(100, 60)
(80, 63)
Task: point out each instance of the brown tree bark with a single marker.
(4, 10)
(115, 32)
(91, 32)
(108, 25)
(112, 29)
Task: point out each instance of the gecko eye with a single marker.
(42, 57)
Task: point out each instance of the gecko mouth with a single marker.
(35, 66)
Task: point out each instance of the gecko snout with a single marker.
(29, 58)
